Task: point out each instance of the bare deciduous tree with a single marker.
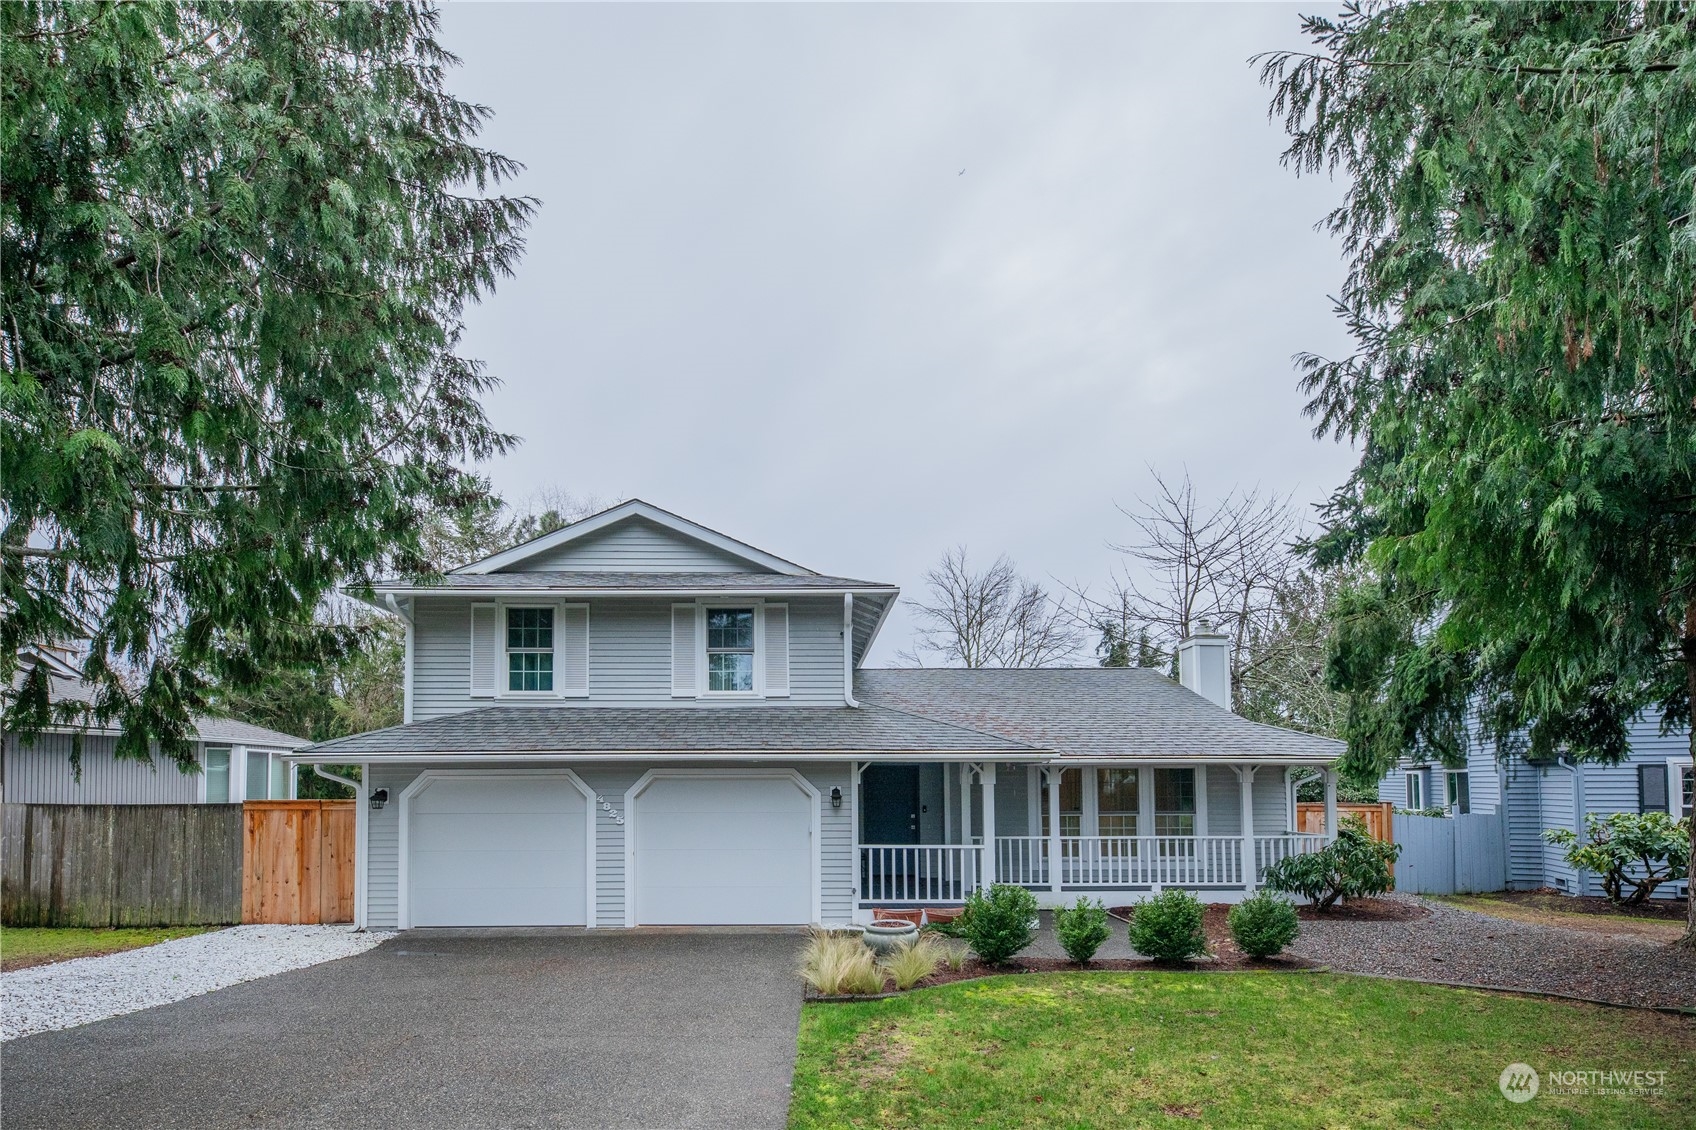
(993, 618)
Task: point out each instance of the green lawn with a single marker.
(21, 947)
(1223, 1049)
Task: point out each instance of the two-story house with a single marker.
(637, 720)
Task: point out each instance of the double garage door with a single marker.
(730, 849)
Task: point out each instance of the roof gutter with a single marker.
(481, 757)
(552, 590)
(848, 650)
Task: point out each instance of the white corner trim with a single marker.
(406, 672)
(848, 650)
(624, 512)
(424, 780)
(632, 810)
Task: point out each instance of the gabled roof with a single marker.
(633, 510)
(616, 583)
(736, 733)
(1090, 712)
(206, 727)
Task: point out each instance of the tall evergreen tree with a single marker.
(1521, 181)
(236, 241)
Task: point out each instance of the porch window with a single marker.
(1415, 792)
(1116, 801)
(529, 649)
(1071, 803)
(1460, 793)
(1174, 802)
(730, 649)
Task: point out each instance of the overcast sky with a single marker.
(761, 292)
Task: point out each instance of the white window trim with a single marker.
(503, 672)
(1450, 806)
(1089, 816)
(429, 776)
(229, 785)
(702, 676)
(1413, 781)
(632, 810)
(1675, 785)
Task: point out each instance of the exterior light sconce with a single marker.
(379, 798)
(835, 797)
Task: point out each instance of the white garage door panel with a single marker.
(497, 851)
(724, 850)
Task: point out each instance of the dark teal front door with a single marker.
(890, 797)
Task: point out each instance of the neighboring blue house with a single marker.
(238, 761)
(1656, 777)
(637, 720)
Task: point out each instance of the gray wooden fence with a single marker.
(120, 864)
(1445, 855)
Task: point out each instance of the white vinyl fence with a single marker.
(1445, 855)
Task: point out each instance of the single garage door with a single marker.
(497, 851)
(723, 850)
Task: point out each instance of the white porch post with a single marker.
(1052, 776)
(854, 827)
(1330, 802)
(987, 775)
(1245, 773)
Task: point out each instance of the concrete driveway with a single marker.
(449, 1029)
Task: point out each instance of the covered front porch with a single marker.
(927, 834)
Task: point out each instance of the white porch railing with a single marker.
(1022, 860)
(1269, 849)
(919, 872)
(1146, 861)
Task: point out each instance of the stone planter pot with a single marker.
(886, 934)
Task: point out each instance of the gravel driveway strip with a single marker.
(1462, 947)
(45, 998)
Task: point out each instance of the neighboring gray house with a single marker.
(1655, 777)
(639, 720)
(238, 761)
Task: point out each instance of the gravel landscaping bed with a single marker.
(69, 993)
(1450, 944)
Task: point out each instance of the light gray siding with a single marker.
(1271, 802)
(1225, 799)
(1524, 807)
(636, 546)
(41, 773)
(1556, 788)
(610, 782)
(629, 656)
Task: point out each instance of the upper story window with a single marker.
(730, 649)
(1415, 791)
(529, 649)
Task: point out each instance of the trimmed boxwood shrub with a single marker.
(1167, 927)
(1000, 922)
(1081, 927)
(1264, 924)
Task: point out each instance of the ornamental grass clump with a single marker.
(1263, 925)
(1081, 928)
(839, 965)
(1167, 927)
(1000, 922)
(909, 964)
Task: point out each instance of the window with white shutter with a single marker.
(485, 650)
(685, 652)
(776, 644)
(573, 644)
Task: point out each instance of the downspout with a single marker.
(360, 815)
(406, 663)
(848, 650)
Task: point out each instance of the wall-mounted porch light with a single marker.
(379, 798)
(835, 797)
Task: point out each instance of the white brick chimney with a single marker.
(1204, 665)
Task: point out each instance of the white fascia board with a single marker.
(624, 511)
(582, 593)
(1256, 759)
(681, 757)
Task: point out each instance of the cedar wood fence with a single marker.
(283, 861)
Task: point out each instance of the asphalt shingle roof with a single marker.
(672, 730)
(590, 581)
(1088, 712)
(206, 727)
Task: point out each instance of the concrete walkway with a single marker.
(461, 1029)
